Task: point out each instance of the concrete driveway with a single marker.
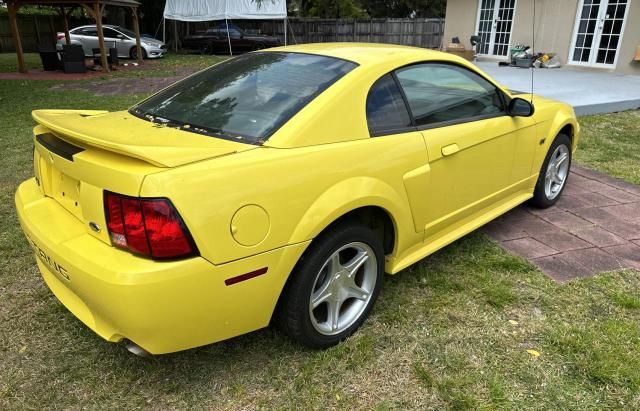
(589, 92)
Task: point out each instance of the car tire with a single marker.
(206, 49)
(554, 173)
(341, 273)
(133, 53)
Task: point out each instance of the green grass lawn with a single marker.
(611, 144)
(9, 62)
(451, 332)
(170, 65)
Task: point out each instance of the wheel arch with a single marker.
(363, 199)
(564, 122)
(375, 217)
(568, 130)
(555, 119)
(133, 49)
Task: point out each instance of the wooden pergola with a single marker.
(95, 8)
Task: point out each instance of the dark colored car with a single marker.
(215, 40)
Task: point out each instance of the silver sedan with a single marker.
(114, 36)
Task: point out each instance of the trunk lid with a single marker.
(123, 133)
(79, 154)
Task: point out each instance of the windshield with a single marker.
(246, 98)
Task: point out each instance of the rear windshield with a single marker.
(246, 98)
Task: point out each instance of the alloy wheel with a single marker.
(557, 172)
(343, 288)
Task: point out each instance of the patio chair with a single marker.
(73, 59)
(475, 42)
(49, 57)
(112, 57)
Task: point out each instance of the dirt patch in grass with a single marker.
(121, 85)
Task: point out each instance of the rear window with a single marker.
(246, 98)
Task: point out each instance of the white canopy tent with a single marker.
(207, 10)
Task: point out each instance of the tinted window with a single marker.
(442, 92)
(246, 98)
(386, 110)
(127, 32)
(112, 34)
(233, 33)
(89, 31)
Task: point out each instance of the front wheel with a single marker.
(333, 287)
(554, 173)
(133, 53)
(206, 49)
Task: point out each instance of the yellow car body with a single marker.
(252, 207)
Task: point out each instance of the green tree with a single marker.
(327, 8)
(404, 8)
(363, 8)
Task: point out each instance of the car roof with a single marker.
(93, 26)
(368, 54)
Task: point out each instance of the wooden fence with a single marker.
(420, 32)
(38, 29)
(412, 32)
(34, 30)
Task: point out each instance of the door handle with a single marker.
(450, 149)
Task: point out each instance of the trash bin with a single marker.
(515, 50)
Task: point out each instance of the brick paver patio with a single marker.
(594, 227)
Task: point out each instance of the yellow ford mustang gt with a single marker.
(279, 185)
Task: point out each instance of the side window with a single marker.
(386, 110)
(442, 92)
(89, 31)
(233, 33)
(109, 33)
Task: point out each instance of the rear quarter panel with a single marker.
(302, 190)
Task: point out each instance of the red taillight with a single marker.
(147, 226)
(60, 36)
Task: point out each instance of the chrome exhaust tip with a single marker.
(136, 349)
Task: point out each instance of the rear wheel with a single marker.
(334, 286)
(554, 173)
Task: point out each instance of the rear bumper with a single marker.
(161, 306)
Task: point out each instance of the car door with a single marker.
(479, 155)
(219, 41)
(123, 42)
(111, 39)
(391, 126)
(241, 42)
(238, 43)
(89, 38)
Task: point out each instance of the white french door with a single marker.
(494, 24)
(597, 33)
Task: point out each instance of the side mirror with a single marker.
(519, 107)
(120, 36)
